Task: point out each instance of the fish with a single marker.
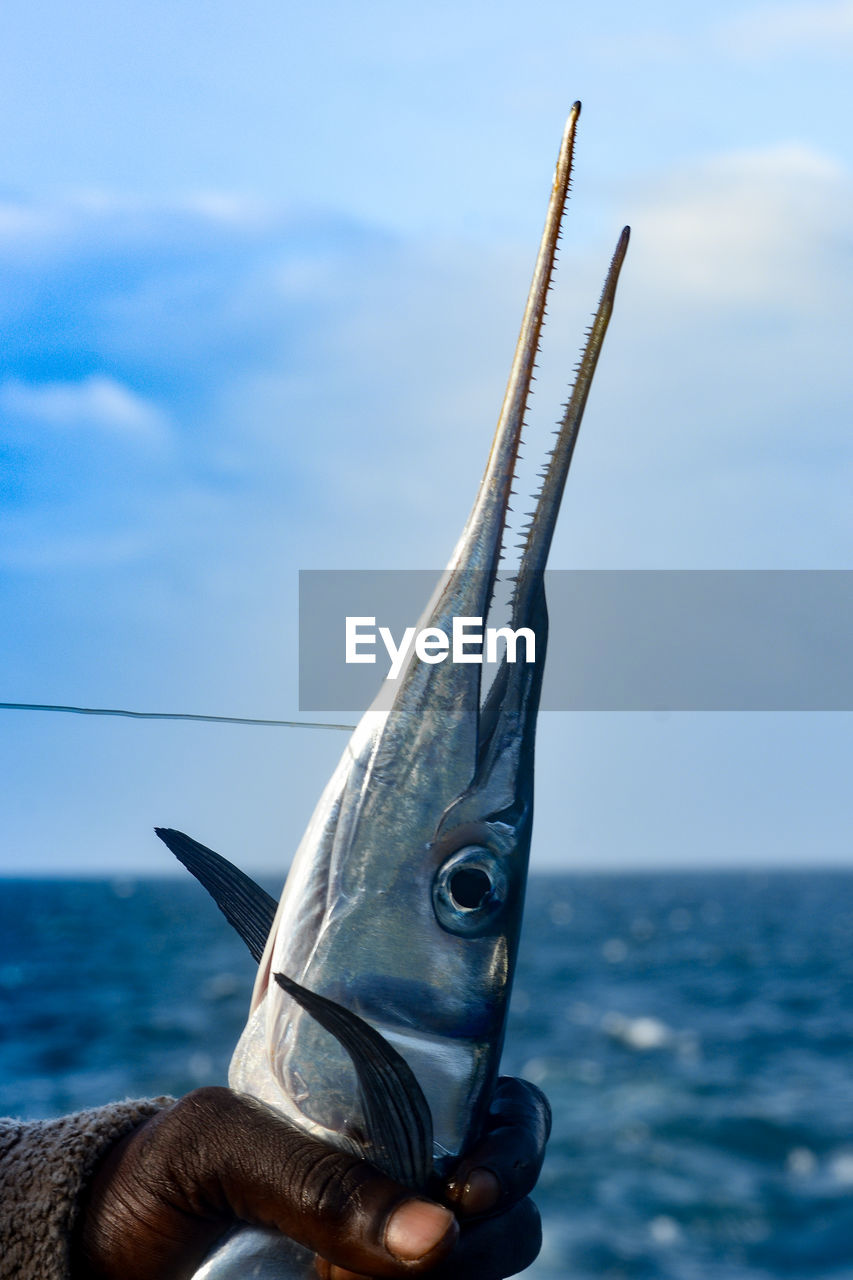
(378, 1014)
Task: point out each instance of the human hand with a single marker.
(167, 1192)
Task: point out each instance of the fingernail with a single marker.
(481, 1192)
(415, 1228)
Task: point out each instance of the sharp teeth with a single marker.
(486, 528)
(554, 474)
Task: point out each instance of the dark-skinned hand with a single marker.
(168, 1191)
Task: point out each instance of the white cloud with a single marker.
(96, 402)
(81, 224)
(21, 222)
(754, 228)
(720, 419)
(775, 28)
(231, 209)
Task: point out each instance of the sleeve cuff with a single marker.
(44, 1168)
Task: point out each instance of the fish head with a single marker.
(404, 901)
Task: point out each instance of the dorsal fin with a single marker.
(245, 905)
(396, 1113)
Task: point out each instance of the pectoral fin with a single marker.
(396, 1113)
(245, 905)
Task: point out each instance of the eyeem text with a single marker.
(469, 641)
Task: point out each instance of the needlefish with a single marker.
(384, 973)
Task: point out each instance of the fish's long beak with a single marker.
(451, 692)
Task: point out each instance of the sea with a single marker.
(694, 1033)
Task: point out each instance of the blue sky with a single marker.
(262, 271)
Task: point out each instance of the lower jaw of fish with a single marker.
(456, 1076)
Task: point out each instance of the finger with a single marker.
(335, 1204)
(492, 1248)
(503, 1165)
(325, 1270)
(519, 1102)
(489, 1249)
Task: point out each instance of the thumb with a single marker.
(216, 1156)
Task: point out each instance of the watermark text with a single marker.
(469, 641)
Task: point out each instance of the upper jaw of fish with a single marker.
(411, 875)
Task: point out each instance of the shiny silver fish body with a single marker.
(405, 898)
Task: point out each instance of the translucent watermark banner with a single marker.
(619, 640)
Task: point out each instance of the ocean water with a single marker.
(694, 1033)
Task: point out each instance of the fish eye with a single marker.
(469, 886)
(469, 891)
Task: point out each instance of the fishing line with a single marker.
(173, 715)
